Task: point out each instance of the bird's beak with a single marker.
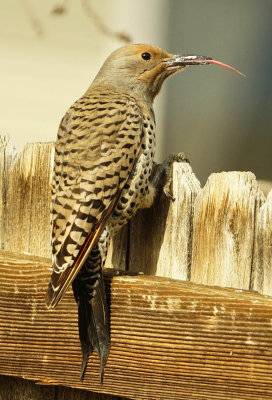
(177, 62)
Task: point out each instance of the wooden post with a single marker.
(161, 237)
(262, 266)
(7, 154)
(224, 229)
(27, 228)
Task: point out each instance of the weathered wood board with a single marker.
(169, 338)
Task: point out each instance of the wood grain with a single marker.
(7, 155)
(224, 230)
(168, 337)
(262, 266)
(27, 227)
(161, 237)
(118, 250)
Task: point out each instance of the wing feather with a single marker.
(98, 143)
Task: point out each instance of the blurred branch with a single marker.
(97, 20)
(33, 19)
(60, 8)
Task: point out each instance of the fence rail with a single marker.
(170, 339)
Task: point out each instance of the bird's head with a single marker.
(140, 69)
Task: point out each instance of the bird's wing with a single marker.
(98, 142)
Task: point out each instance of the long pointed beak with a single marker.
(182, 61)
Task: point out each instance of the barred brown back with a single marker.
(97, 146)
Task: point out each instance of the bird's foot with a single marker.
(168, 170)
(165, 171)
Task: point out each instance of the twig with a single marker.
(59, 8)
(97, 20)
(33, 19)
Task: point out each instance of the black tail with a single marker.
(93, 321)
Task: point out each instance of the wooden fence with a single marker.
(174, 335)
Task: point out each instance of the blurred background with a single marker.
(51, 51)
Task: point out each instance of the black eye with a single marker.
(146, 56)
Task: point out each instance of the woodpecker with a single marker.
(102, 175)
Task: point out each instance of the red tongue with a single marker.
(222, 65)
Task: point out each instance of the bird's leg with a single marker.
(163, 173)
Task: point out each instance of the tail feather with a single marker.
(93, 321)
(84, 321)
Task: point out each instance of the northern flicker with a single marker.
(102, 175)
